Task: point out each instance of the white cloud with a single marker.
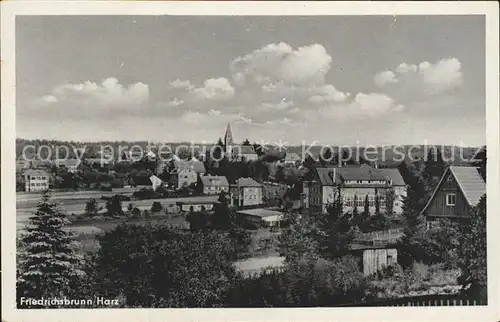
(424, 78)
(385, 77)
(215, 89)
(405, 68)
(110, 93)
(175, 103)
(49, 99)
(218, 89)
(283, 121)
(280, 106)
(443, 75)
(328, 94)
(214, 112)
(281, 62)
(373, 104)
(180, 84)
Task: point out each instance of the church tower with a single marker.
(228, 137)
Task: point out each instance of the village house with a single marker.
(22, 165)
(246, 192)
(99, 162)
(354, 185)
(458, 191)
(196, 205)
(213, 185)
(70, 164)
(186, 173)
(36, 180)
(291, 159)
(262, 217)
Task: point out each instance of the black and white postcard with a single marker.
(249, 161)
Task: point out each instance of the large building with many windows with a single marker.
(358, 187)
(36, 180)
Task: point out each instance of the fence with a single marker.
(425, 300)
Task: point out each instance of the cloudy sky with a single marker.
(334, 79)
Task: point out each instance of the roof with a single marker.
(394, 175)
(197, 166)
(195, 202)
(333, 175)
(214, 180)
(469, 181)
(36, 172)
(362, 172)
(260, 212)
(98, 160)
(292, 157)
(245, 149)
(67, 162)
(327, 176)
(247, 182)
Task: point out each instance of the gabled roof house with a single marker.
(459, 190)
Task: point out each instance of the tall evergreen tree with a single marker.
(413, 226)
(366, 210)
(434, 169)
(333, 232)
(222, 218)
(48, 264)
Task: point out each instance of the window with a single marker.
(381, 201)
(348, 202)
(359, 181)
(451, 199)
(371, 201)
(360, 202)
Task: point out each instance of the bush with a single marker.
(304, 283)
(200, 270)
(156, 207)
(420, 271)
(146, 193)
(135, 213)
(105, 187)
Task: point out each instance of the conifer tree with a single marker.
(366, 211)
(413, 227)
(434, 169)
(48, 265)
(334, 232)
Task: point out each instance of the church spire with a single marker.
(228, 137)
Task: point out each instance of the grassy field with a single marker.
(74, 202)
(262, 248)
